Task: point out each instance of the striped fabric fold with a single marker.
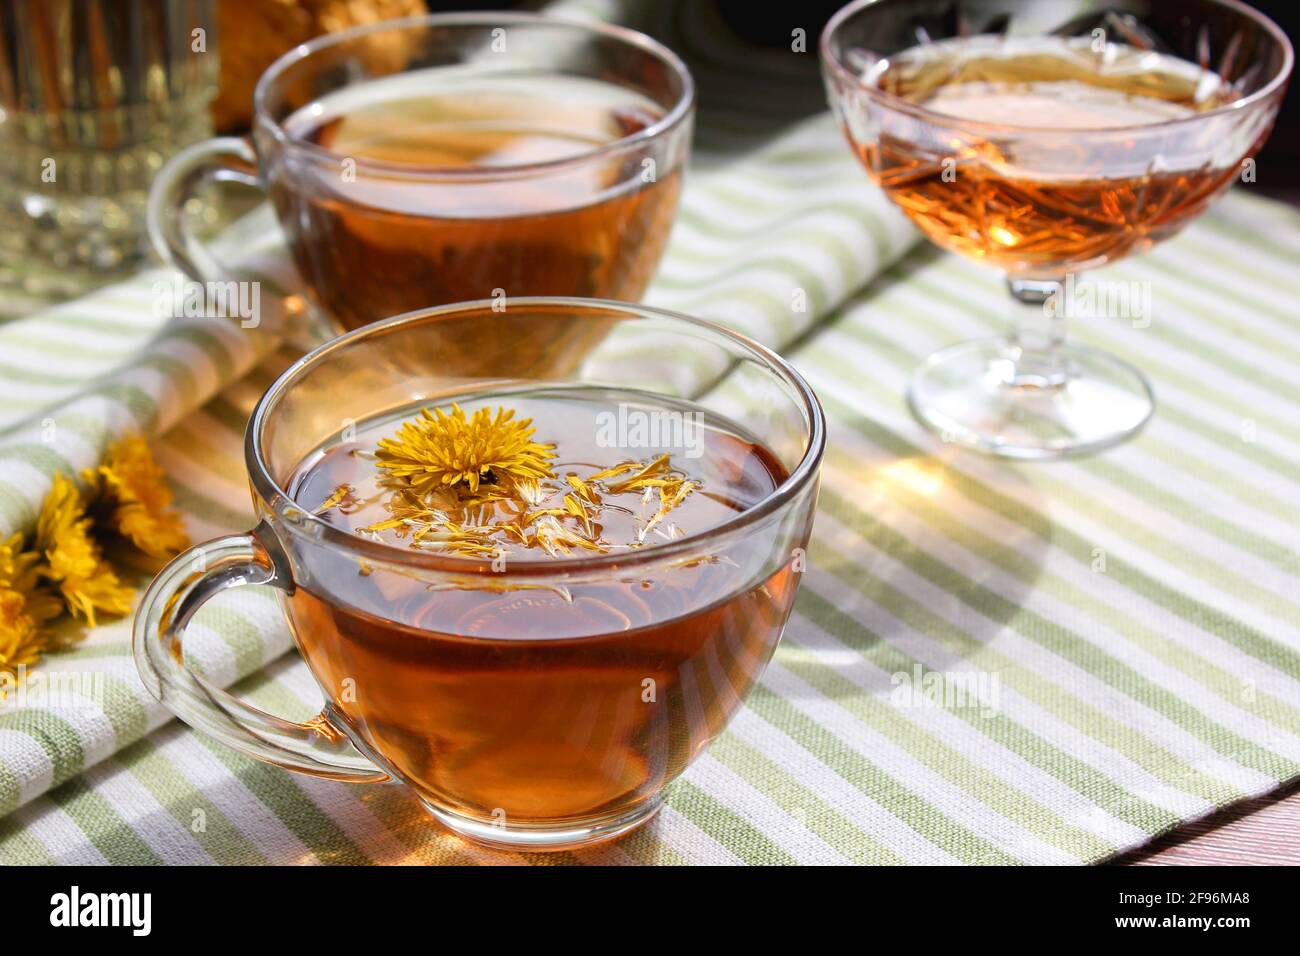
(988, 663)
(122, 360)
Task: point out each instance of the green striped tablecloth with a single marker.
(1134, 617)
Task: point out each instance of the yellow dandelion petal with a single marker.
(648, 475)
(558, 540)
(21, 638)
(342, 495)
(17, 567)
(583, 489)
(670, 497)
(132, 484)
(9, 551)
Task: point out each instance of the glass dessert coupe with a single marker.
(1046, 137)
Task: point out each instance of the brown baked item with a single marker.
(253, 33)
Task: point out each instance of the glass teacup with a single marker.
(537, 704)
(455, 157)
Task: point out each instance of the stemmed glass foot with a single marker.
(994, 395)
(1030, 395)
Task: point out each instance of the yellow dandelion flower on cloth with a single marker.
(72, 560)
(438, 450)
(24, 608)
(131, 484)
(21, 638)
(20, 572)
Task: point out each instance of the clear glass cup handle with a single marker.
(224, 159)
(316, 747)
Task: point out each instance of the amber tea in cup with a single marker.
(532, 703)
(457, 157)
(533, 583)
(370, 246)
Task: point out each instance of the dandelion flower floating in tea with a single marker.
(477, 485)
(440, 449)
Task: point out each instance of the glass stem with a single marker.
(1036, 342)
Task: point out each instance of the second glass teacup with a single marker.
(455, 157)
(541, 657)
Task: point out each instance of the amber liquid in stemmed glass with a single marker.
(1012, 211)
(538, 704)
(374, 245)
